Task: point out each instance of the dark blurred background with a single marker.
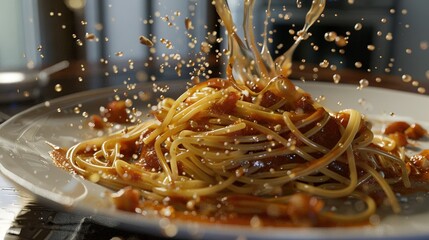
(99, 39)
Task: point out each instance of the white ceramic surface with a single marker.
(24, 159)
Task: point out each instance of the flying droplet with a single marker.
(330, 36)
(336, 77)
(407, 78)
(95, 177)
(358, 26)
(363, 83)
(58, 88)
(145, 41)
(389, 36)
(358, 64)
(188, 24)
(324, 64)
(341, 41)
(90, 36)
(424, 45)
(76, 110)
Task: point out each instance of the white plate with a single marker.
(24, 159)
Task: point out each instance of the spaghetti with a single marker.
(214, 142)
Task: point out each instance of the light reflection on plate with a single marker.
(24, 159)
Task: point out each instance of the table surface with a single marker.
(23, 217)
